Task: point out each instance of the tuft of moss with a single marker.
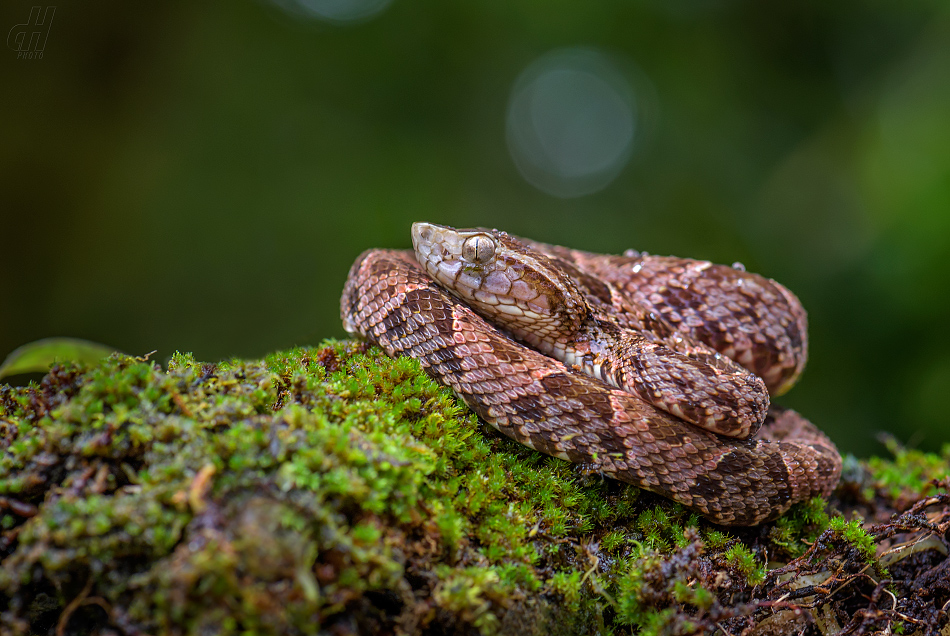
(799, 528)
(853, 533)
(745, 562)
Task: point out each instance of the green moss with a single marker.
(797, 529)
(659, 594)
(691, 595)
(910, 473)
(613, 540)
(854, 534)
(568, 586)
(745, 562)
(717, 539)
(660, 529)
(336, 488)
(329, 464)
(471, 593)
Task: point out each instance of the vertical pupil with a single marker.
(477, 249)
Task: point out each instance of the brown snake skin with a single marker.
(542, 403)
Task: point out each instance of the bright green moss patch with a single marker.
(853, 533)
(797, 529)
(339, 490)
(665, 593)
(745, 562)
(910, 473)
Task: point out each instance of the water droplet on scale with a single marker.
(739, 267)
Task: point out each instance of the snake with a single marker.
(653, 370)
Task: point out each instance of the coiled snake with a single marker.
(645, 388)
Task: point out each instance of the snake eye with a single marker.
(478, 249)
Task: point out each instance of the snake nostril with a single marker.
(422, 231)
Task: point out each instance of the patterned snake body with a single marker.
(581, 308)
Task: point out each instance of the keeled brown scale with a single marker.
(539, 402)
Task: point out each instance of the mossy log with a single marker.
(335, 490)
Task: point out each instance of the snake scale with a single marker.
(664, 370)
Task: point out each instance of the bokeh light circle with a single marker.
(334, 11)
(571, 122)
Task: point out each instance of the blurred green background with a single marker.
(199, 176)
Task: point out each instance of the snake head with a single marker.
(501, 278)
